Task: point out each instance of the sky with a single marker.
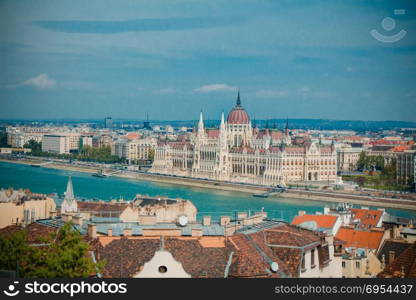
(173, 58)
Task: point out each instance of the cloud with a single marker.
(166, 91)
(42, 81)
(271, 93)
(218, 87)
(308, 93)
(162, 24)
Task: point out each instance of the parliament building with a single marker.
(237, 152)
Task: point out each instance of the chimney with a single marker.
(77, 220)
(326, 210)
(92, 231)
(391, 256)
(301, 212)
(66, 217)
(52, 214)
(127, 232)
(109, 232)
(206, 220)
(224, 220)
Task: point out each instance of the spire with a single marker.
(201, 123)
(287, 126)
(222, 125)
(282, 145)
(69, 195)
(238, 98)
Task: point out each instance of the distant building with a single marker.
(102, 140)
(85, 141)
(405, 167)
(237, 152)
(60, 143)
(135, 150)
(347, 157)
(108, 122)
(146, 124)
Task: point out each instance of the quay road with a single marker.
(377, 197)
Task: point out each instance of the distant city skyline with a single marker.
(170, 59)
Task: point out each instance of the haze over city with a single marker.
(68, 59)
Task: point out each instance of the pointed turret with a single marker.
(222, 125)
(238, 98)
(201, 123)
(69, 194)
(287, 127)
(69, 204)
(282, 145)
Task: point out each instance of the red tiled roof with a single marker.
(403, 266)
(102, 209)
(359, 238)
(197, 260)
(132, 135)
(248, 262)
(35, 232)
(213, 133)
(323, 221)
(368, 218)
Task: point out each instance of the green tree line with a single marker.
(86, 153)
(60, 255)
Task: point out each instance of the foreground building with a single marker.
(268, 250)
(237, 152)
(22, 207)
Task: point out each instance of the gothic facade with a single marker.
(237, 152)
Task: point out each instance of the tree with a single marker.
(151, 154)
(3, 139)
(66, 256)
(361, 181)
(35, 146)
(390, 172)
(62, 255)
(13, 251)
(362, 162)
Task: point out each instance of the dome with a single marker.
(238, 115)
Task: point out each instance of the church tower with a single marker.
(69, 205)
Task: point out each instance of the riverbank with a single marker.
(290, 193)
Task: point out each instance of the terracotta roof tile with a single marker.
(360, 238)
(323, 221)
(403, 266)
(368, 218)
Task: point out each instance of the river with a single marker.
(208, 201)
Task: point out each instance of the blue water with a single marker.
(208, 201)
